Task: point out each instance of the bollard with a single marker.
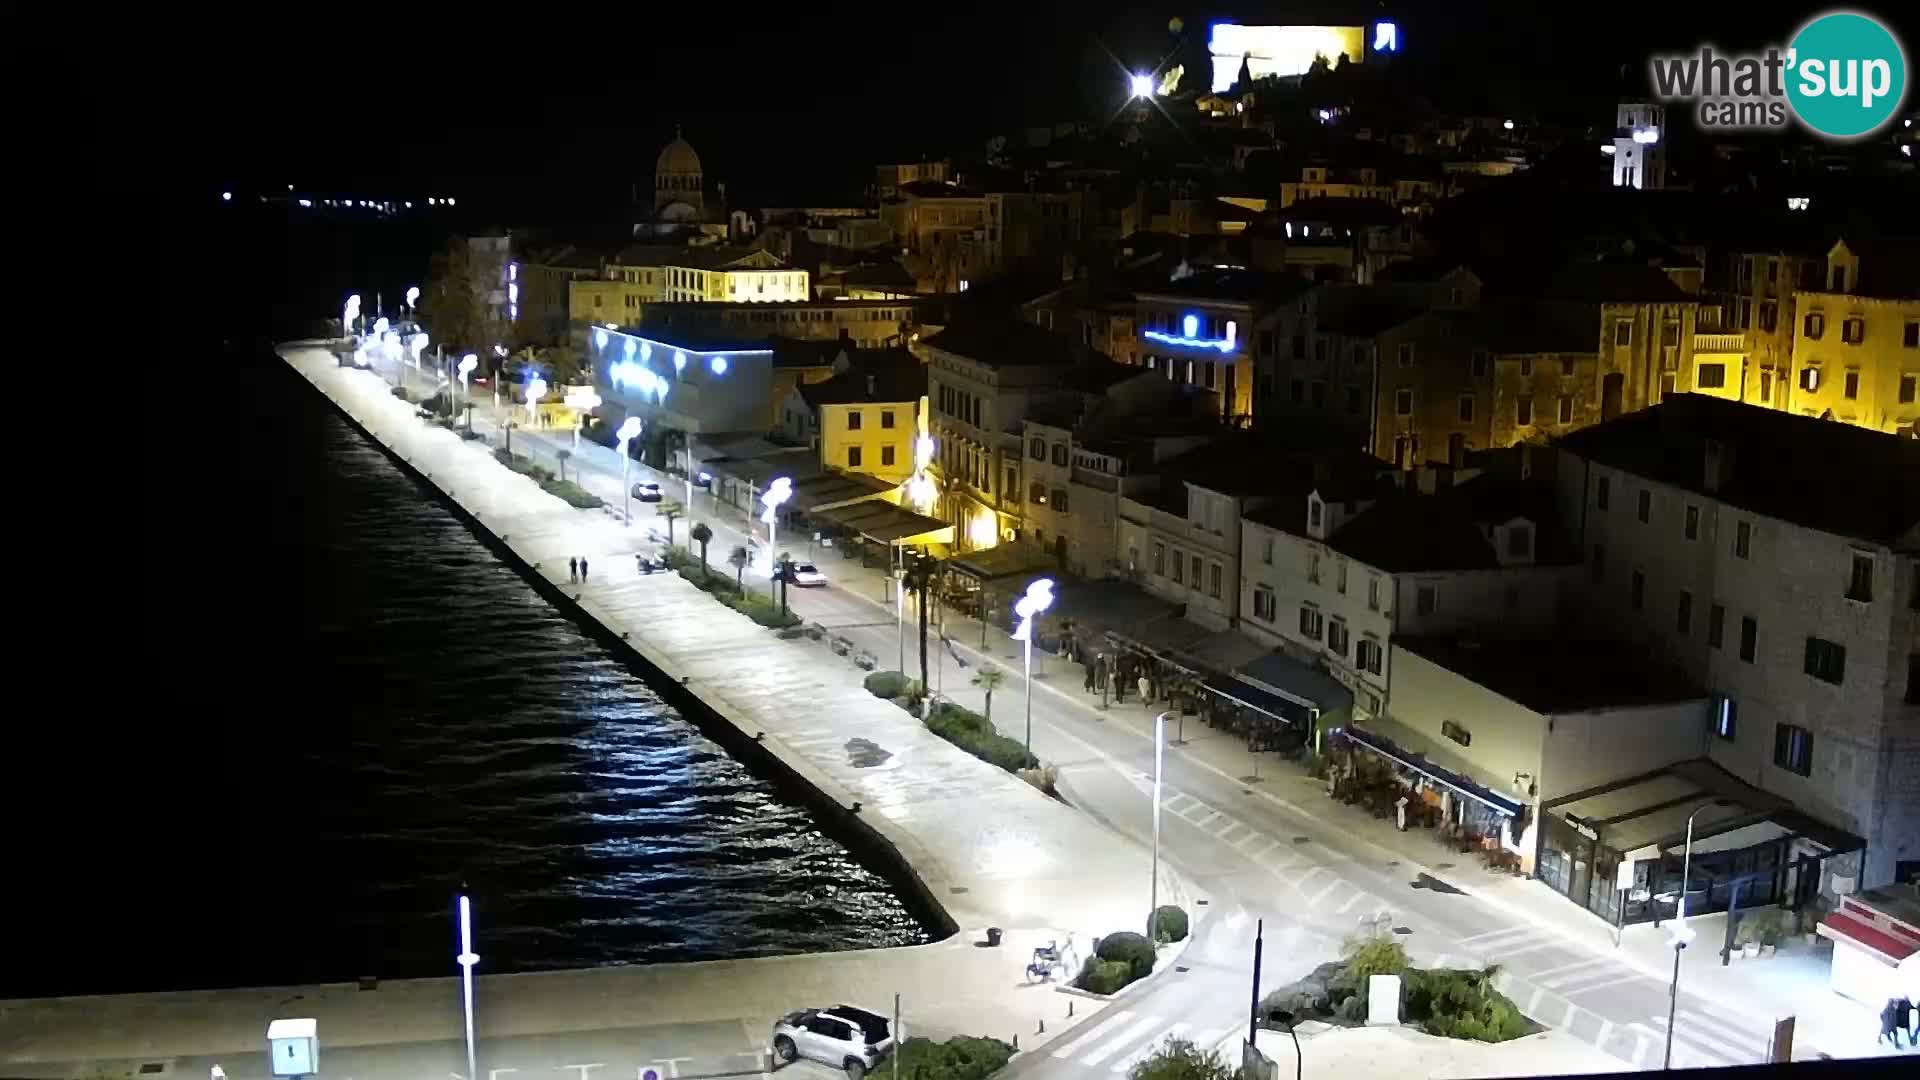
(1042, 1029)
(1016, 1042)
(1069, 1008)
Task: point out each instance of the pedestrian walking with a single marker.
(583, 568)
(1903, 1018)
(1891, 1024)
(573, 569)
(1089, 683)
(1146, 692)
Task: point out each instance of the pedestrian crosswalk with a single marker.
(1122, 1040)
(1322, 888)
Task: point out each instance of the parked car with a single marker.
(804, 575)
(647, 492)
(852, 1039)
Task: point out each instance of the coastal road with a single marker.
(1253, 849)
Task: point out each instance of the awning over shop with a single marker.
(1647, 814)
(1734, 840)
(1253, 697)
(1292, 680)
(1224, 650)
(1005, 564)
(1445, 777)
(1841, 926)
(828, 490)
(885, 523)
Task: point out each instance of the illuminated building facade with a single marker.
(1201, 331)
(1640, 146)
(1856, 349)
(695, 385)
(1281, 51)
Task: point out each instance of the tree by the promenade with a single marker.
(738, 558)
(1179, 1059)
(923, 572)
(989, 679)
(669, 509)
(702, 535)
(455, 301)
(561, 456)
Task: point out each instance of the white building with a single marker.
(1337, 574)
(1773, 558)
(1640, 146)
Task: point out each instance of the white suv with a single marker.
(853, 1039)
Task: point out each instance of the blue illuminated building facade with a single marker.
(701, 386)
(1204, 330)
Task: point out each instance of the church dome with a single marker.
(679, 157)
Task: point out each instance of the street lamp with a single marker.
(629, 431)
(1038, 598)
(779, 491)
(1682, 933)
(466, 960)
(418, 344)
(413, 295)
(467, 364)
(1153, 890)
(351, 312)
(536, 389)
(899, 614)
(1141, 85)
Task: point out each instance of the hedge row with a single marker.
(971, 732)
(1122, 957)
(960, 1058)
(727, 591)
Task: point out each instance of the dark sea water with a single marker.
(345, 707)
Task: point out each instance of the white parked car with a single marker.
(646, 492)
(842, 1036)
(806, 575)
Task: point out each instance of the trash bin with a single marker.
(993, 937)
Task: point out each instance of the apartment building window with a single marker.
(1670, 333)
(1743, 540)
(1368, 654)
(886, 455)
(1910, 335)
(1213, 580)
(886, 419)
(1403, 402)
(1793, 748)
(1693, 523)
(1037, 449)
(1826, 660)
(1814, 325)
(1769, 315)
(1160, 559)
(1623, 332)
(1599, 563)
(1523, 409)
(1179, 567)
(1297, 391)
(1566, 367)
(1337, 638)
(1481, 363)
(1602, 492)
(1013, 480)
(1340, 577)
(1711, 376)
(1766, 386)
(853, 457)
(1810, 379)
(1908, 384)
(1749, 637)
(1404, 352)
(1519, 542)
(1266, 551)
(1317, 394)
(1637, 594)
(1373, 593)
(1860, 581)
(1059, 500)
(1566, 409)
(1526, 367)
(1723, 717)
(1716, 626)
(1645, 512)
(1466, 409)
(1060, 454)
(1853, 331)
(1357, 400)
(1263, 603)
(1310, 622)
(1314, 509)
(1852, 390)
(1457, 733)
(1425, 599)
(1683, 617)
(1195, 583)
(1037, 493)
(1313, 567)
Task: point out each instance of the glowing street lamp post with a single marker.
(467, 364)
(779, 491)
(1682, 934)
(466, 960)
(1153, 889)
(629, 431)
(1038, 598)
(413, 296)
(536, 389)
(349, 314)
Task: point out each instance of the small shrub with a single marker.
(886, 684)
(1104, 976)
(573, 493)
(1171, 922)
(1042, 777)
(970, 731)
(401, 393)
(1129, 948)
(1371, 955)
(540, 473)
(960, 1058)
(1353, 1010)
(1178, 1059)
(678, 558)
(469, 435)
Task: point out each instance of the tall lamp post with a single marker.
(466, 960)
(779, 491)
(1153, 890)
(1682, 934)
(536, 389)
(900, 614)
(467, 364)
(349, 314)
(1038, 598)
(629, 431)
(413, 296)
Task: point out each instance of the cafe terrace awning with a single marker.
(829, 490)
(1003, 564)
(1446, 777)
(1647, 814)
(884, 523)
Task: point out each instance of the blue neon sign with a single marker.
(1190, 336)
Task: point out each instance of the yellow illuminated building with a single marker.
(1279, 50)
(868, 419)
(1856, 350)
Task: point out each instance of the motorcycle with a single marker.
(648, 566)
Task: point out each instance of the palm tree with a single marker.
(989, 679)
(562, 456)
(701, 535)
(922, 572)
(783, 573)
(738, 559)
(668, 509)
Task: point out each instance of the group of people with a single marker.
(1897, 1019)
(577, 569)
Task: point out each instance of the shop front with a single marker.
(1876, 945)
(1388, 771)
(1620, 850)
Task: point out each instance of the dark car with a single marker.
(647, 492)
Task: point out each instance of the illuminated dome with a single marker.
(679, 157)
(677, 183)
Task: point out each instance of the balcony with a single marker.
(1720, 343)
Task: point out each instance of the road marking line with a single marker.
(1197, 808)
(1206, 823)
(1326, 892)
(1493, 935)
(1099, 1029)
(1592, 980)
(1728, 1052)
(1240, 845)
(1546, 976)
(1312, 872)
(1172, 1032)
(1572, 1010)
(1606, 1032)
(1351, 900)
(1212, 1039)
(1228, 831)
(1121, 1041)
(1533, 1003)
